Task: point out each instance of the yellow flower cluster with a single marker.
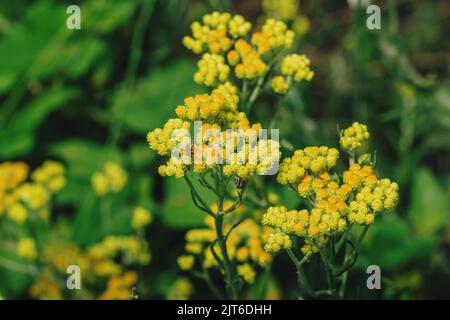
(205, 106)
(51, 175)
(279, 84)
(132, 250)
(281, 9)
(218, 112)
(307, 162)
(245, 244)
(216, 32)
(297, 66)
(112, 179)
(354, 136)
(19, 198)
(186, 262)
(97, 262)
(222, 35)
(182, 289)
(119, 287)
(11, 175)
(59, 254)
(336, 202)
(314, 224)
(293, 67)
(212, 70)
(372, 195)
(141, 218)
(161, 140)
(247, 272)
(247, 61)
(26, 248)
(243, 161)
(278, 241)
(274, 35)
(46, 288)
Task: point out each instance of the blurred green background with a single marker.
(86, 96)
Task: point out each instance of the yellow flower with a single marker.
(216, 33)
(34, 195)
(247, 272)
(50, 174)
(141, 217)
(279, 84)
(161, 140)
(354, 136)
(111, 179)
(238, 26)
(17, 213)
(281, 9)
(212, 70)
(312, 160)
(249, 65)
(26, 248)
(278, 241)
(185, 262)
(100, 183)
(119, 287)
(12, 174)
(182, 289)
(116, 175)
(296, 66)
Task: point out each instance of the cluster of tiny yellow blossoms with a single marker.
(354, 136)
(372, 195)
(46, 288)
(161, 140)
(112, 179)
(223, 40)
(98, 261)
(307, 162)
(119, 287)
(218, 112)
(26, 248)
(130, 248)
(281, 9)
(181, 289)
(267, 150)
(19, 198)
(247, 62)
(217, 32)
(245, 244)
(293, 67)
(212, 70)
(51, 175)
(287, 10)
(141, 218)
(337, 202)
(206, 107)
(274, 35)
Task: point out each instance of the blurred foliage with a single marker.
(88, 96)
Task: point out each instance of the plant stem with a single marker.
(229, 274)
(302, 280)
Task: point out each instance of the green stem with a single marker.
(229, 273)
(302, 280)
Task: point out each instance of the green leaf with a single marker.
(429, 204)
(156, 97)
(391, 245)
(178, 211)
(18, 137)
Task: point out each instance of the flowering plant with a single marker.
(237, 65)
